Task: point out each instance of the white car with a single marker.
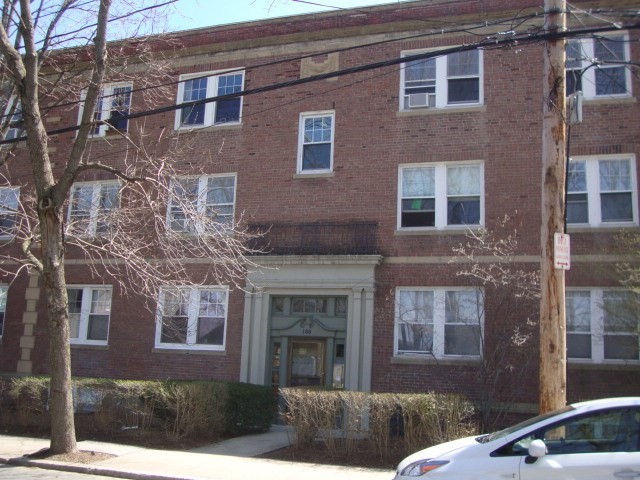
(595, 440)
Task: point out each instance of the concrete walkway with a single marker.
(228, 460)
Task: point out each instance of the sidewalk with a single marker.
(228, 460)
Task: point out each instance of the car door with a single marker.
(598, 445)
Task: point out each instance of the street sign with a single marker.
(561, 251)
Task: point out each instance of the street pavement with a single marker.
(232, 459)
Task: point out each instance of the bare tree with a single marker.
(125, 230)
(509, 293)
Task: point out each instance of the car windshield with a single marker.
(503, 433)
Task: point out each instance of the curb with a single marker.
(89, 469)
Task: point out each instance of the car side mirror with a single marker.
(537, 449)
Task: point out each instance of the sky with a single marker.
(204, 13)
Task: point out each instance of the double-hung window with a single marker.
(112, 108)
(14, 109)
(315, 144)
(197, 88)
(440, 195)
(602, 325)
(8, 211)
(445, 81)
(89, 314)
(202, 204)
(443, 323)
(3, 307)
(91, 206)
(597, 66)
(192, 318)
(602, 191)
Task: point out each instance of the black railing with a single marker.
(355, 238)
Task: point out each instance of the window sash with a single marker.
(316, 139)
(114, 102)
(602, 191)
(89, 314)
(444, 323)
(193, 318)
(210, 202)
(3, 306)
(453, 80)
(602, 326)
(90, 206)
(607, 79)
(209, 85)
(440, 196)
(9, 201)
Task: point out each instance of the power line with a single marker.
(497, 42)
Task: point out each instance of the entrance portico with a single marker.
(308, 320)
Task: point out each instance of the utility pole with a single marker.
(553, 373)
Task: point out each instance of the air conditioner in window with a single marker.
(421, 100)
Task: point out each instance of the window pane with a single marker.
(463, 90)
(463, 211)
(120, 102)
(228, 110)
(621, 347)
(210, 331)
(8, 210)
(462, 340)
(80, 209)
(616, 207)
(195, 89)
(418, 182)
(74, 296)
(415, 306)
(316, 157)
(611, 81)
(577, 180)
(578, 345)
(420, 72)
(575, 54)
(609, 49)
(175, 309)
(220, 190)
(615, 175)
(463, 180)
(184, 196)
(578, 311)
(577, 208)
(418, 212)
(463, 64)
(317, 129)
(98, 327)
(463, 317)
(416, 338)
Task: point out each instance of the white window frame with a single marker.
(14, 132)
(85, 313)
(441, 195)
(95, 210)
(592, 164)
(597, 330)
(440, 98)
(210, 108)
(439, 322)
(8, 210)
(201, 205)
(192, 318)
(104, 108)
(3, 307)
(302, 143)
(586, 65)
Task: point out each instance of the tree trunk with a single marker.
(63, 436)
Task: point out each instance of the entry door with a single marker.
(306, 363)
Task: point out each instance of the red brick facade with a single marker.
(372, 137)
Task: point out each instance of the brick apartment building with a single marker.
(365, 182)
